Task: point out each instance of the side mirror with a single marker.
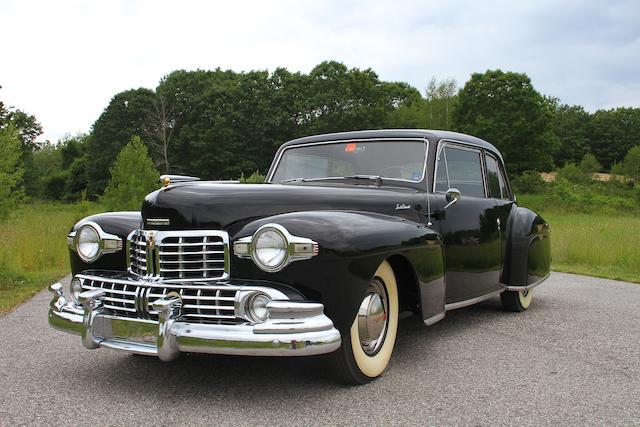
(453, 195)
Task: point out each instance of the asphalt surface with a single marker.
(573, 359)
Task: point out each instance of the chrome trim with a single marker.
(373, 318)
(298, 248)
(293, 329)
(169, 309)
(462, 146)
(423, 139)
(109, 243)
(433, 319)
(153, 253)
(471, 301)
(452, 196)
(525, 287)
(178, 178)
(92, 304)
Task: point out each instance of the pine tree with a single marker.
(133, 176)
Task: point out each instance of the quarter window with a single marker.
(461, 169)
(497, 183)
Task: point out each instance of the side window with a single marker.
(461, 169)
(442, 176)
(497, 183)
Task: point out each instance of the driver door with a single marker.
(469, 227)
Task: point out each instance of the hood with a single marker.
(205, 205)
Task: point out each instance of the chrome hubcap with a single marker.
(373, 318)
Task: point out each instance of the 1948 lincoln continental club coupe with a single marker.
(348, 231)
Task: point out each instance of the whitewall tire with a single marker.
(516, 301)
(367, 348)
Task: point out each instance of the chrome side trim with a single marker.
(424, 168)
(471, 301)
(433, 319)
(525, 287)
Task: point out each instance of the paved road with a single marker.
(572, 359)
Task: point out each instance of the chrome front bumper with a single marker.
(292, 329)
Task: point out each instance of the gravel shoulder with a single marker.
(573, 358)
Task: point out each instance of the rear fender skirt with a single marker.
(528, 250)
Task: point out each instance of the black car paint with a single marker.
(358, 225)
(118, 223)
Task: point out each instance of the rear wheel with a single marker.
(516, 301)
(366, 350)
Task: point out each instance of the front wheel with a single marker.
(516, 300)
(366, 350)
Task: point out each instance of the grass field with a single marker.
(34, 251)
(599, 243)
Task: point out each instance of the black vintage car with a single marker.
(348, 231)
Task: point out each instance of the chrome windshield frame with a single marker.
(422, 179)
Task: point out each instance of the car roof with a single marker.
(434, 135)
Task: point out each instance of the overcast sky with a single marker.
(63, 60)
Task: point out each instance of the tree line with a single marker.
(222, 124)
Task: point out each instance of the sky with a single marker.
(64, 60)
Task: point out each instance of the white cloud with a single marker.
(64, 60)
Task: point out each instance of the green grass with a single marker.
(33, 251)
(599, 243)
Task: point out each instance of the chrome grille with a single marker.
(201, 303)
(179, 256)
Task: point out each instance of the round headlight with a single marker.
(256, 307)
(88, 243)
(270, 249)
(75, 289)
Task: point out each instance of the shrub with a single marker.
(254, 178)
(589, 164)
(573, 173)
(530, 182)
(132, 178)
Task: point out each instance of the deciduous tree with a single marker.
(505, 109)
(11, 172)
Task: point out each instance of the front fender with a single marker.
(118, 223)
(352, 246)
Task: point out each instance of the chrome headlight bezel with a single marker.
(296, 248)
(107, 243)
(274, 234)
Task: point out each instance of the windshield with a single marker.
(398, 160)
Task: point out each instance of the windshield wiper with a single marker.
(376, 178)
(284, 181)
